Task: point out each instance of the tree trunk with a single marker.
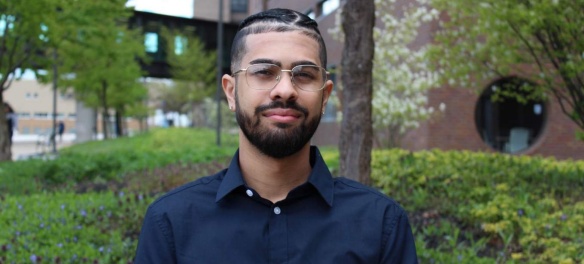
(358, 19)
(5, 141)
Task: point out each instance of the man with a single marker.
(61, 130)
(10, 121)
(277, 202)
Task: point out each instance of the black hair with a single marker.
(275, 20)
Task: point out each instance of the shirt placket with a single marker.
(277, 230)
(278, 235)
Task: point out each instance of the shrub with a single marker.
(111, 160)
(70, 228)
(527, 208)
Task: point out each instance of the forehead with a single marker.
(285, 48)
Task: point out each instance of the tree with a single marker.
(401, 74)
(539, 40)
(193, 72)
(101, 62)
(358, 19)
(22, 38)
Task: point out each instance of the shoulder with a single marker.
(356, 192)
(201, 190)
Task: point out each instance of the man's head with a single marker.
(275, 20)
(279, 86)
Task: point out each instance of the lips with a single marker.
(282, 115)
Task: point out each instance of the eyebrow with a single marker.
(270, 61)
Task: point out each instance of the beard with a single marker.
(283, 141)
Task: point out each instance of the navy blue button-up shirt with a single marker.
(219, 219)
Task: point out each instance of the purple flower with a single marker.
(83, 213)
(33, 258)
(520, 212)
(564, 217)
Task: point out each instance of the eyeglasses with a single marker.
(265, 76)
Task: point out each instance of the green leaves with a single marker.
(70, 227)
(522, 206)
(539, 40)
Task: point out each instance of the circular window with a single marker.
(507, 117)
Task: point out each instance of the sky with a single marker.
(181, 8)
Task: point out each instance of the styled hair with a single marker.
(274, 20)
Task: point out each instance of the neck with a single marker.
(273, 178)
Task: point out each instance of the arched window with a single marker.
(507, 117)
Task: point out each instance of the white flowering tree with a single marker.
(401, 73)
(539, 40)
(402, 76)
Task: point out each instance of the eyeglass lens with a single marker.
(267, 76)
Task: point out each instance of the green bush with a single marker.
(464, 207)
(112, 160)
(87, 204)
(70, 228)
(526, 208)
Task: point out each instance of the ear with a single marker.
(228, 83)
(326, 93)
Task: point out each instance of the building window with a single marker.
(239, 6)
(505, 123)
(31, 96)
(71, 115)
(151, 42)
(23, 115)
(180, 44)
(41, 115)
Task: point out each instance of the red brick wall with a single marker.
(455, 128)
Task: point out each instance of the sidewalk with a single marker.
(26, 146)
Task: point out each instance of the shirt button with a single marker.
(249, 193)
(277, 210)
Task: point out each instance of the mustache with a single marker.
(279, 104)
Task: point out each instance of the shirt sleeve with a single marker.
(155, 244)
(399, 246)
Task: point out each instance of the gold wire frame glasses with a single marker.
(265, 76)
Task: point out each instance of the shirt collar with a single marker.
(320, 177)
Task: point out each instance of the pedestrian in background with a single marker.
(10, 120)
(61, 130)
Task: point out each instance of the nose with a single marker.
(284, 89)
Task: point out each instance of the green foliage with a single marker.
(538, 40)
(192, 67)
(87, 204)
(22, 35)
(464, 207)
(97, 55)
(70, 228)
(526, 208)
(113, 160)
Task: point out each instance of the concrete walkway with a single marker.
(31, 145)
